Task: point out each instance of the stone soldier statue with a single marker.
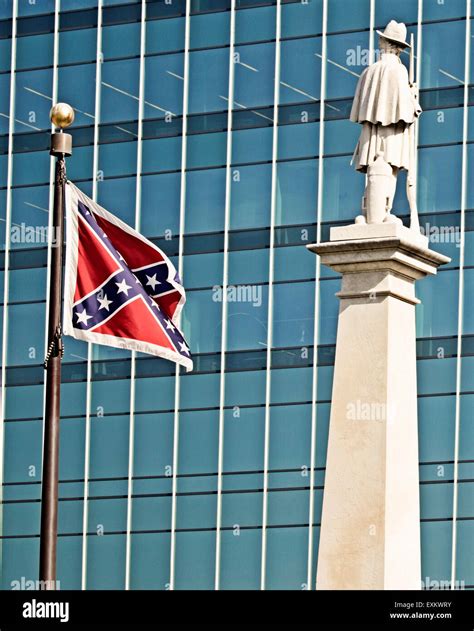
(386, 105)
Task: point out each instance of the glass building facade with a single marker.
(219, 128)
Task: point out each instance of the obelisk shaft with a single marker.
(370, 529)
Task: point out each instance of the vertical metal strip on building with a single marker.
(462, 227)
(225, 281)
(319, 218)
(182, 211)
(371, 42)
(51, 220)
(268, 375)
(6, 286)
(418, 67)
(52, 167)
(138, 199)
(95, 168)
(371, 31)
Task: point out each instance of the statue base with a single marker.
(377, 231)
(370, 530)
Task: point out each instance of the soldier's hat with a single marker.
(395, 32)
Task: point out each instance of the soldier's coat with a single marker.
(385, 107)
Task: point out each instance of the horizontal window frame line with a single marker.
(250, 354)
(283, 107)
(126, 139)
(166, 477)
(181, 15)
(212, 474)
(283, 234)
(16, 303)
(465, 480)
(206, 493)
(243, 351)
(227, 407)
(209, 493)
(162, 531)
(167, 411)
(209, 529)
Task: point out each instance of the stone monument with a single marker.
(370, 526)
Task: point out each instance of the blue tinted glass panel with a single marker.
(195, 560)
(436, 550)
(254, 71)
(119, 100)
(26, 9)
(240, 559)
(301, 18)
(163, 86)
(404, 11)
(25, 348)
(347, 57)
(209, 30)
(121, 40)
(165, 35)
(34, 51)
(106, 562)
(251, 196)
(348, 14)
(23, 447)
(443, 65)
(77, 46)
(296, 192)
(287, 559)
(208, 81)
(300, 72)
(4, 107)
(205, 200)
(150, 558)
(442, 320)
(255, 25)
(19, 558)
(33, 94)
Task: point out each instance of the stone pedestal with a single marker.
(370, 531)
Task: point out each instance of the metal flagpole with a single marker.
(62, 115)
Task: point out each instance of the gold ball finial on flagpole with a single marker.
(61, 115)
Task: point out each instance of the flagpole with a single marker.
(62, 115)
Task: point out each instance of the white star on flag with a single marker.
(184, 348)
(170, 326)
(104, 303)
(83, 317)
(123, 287)
(152, 281)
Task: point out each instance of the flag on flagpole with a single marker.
(120, 289)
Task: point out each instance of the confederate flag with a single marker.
(120, 289)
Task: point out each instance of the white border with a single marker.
(138, 198)
(52, 175)
(182, 215)
(6, 286)
(95, 166)
(459, 361)
(311, 571)
(225, 280)
(268, 374)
